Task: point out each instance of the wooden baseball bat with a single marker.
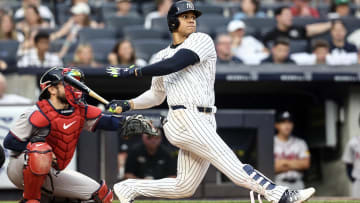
(82, 87)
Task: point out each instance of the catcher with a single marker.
(44, 139)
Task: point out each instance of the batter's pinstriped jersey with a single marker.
(352, 155)
(293, 148)
(194, 85)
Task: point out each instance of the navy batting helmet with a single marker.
(178, 8)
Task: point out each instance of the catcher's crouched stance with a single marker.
(44, 139)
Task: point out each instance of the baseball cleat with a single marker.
(297, 196)
(120, 191)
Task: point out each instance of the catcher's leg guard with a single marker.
(103, 194)
(37, 166)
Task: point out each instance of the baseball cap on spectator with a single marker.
(284, 116)
(235, 25)
(80, 8)
(339, 2)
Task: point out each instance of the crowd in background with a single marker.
(95, 33)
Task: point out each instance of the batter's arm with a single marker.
(148, 99)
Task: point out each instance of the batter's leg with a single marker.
(201, 138)
(190, 172)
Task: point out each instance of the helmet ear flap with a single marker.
(173, 23)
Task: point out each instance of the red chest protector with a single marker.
(64, 130)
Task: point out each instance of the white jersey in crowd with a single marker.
(352, 155)
(194, 85)
(293, 148)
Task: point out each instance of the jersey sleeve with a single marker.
(348, 155)
(202, 45)
(304, 150)
(157, 84)
(23, 130)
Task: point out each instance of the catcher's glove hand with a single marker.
(137, 125)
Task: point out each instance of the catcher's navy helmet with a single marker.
(178, 8)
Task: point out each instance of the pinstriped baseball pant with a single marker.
(195, 134)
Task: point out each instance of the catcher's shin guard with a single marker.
(37, 165)
(103, 194)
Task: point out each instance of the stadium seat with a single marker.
(89, 34)
(8, 49)
(351, 23)
(139, 32)
(260, 23)
(148, 7)
(102, 48)
(146, 48)
(208, 9)
(301, 21)
(297, 46)
(159, 24)
(213, 21)
(118, 23)
(55, 46)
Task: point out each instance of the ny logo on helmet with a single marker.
(189, 5)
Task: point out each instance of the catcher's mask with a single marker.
(54, 76)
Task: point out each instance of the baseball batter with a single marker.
(351, 158)
(44, 139)
(184, 72)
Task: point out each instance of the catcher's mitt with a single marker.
(137, 125)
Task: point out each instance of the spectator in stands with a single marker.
(124, 7)
(280, 52)
(150, 160)
(223, 50)
(285, 28)
(7, 29)
(44, 11)
(340, 8)
(163, 7)
(249, 9)
(301, 8)
(10, 98)
(39, 56)
(123, 53)
(338, 43)
(80, 19)
(84, 57)
(247, 48)
(32, 22)
(320, 54)
(291, 154)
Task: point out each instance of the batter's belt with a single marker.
(199, 108)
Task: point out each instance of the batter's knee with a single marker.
(185, 189)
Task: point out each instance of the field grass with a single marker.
(222, 201)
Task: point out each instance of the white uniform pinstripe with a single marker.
(194, 132)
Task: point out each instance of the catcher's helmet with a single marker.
(54, 76)
(178, 8)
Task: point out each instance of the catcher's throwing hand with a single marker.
(123, 72)
(137, 125)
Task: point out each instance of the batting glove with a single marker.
(123, 72)
(114, 105)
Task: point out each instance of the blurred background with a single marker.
(287, 84)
